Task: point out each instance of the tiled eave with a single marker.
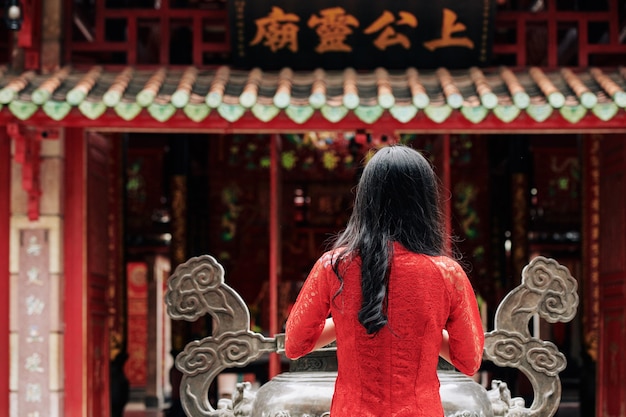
(225, 99)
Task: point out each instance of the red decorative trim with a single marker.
(456, 123)
(74, 260)
(5, 215)
(28, 153)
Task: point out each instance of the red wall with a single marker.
(5, 212)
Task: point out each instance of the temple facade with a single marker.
(136, 134)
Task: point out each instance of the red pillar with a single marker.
(447, 187)
(5, 215)
(610, 383)
(274, 261)
(74, 261)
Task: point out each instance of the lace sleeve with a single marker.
(464, 324)
(306, 320)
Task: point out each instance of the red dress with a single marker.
(394, 372)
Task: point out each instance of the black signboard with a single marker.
(362, 34)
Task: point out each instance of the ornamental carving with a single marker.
(197, 288)
(549, 291)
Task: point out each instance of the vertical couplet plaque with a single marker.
(34, 318)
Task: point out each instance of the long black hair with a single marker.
(397, 200)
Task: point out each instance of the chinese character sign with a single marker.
(363, 34)
(34, 315)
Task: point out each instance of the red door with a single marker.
(87, 265)
(611, 400)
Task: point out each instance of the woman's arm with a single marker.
(307, 326)
(444, 350)
(466, 336)
(326, 337)
(328, 334)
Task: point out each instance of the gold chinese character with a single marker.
(449, 26)
(389, 36)
(333, 27)
(278, 30)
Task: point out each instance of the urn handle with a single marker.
(197, 288)
(549, 291)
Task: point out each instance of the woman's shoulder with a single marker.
(329, 258)
(449, 268)
(332, 255)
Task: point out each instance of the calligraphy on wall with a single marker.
(360, 33)
(34, 318)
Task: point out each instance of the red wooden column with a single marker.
(591, 243)
(589, 283)
(447, 186)
(74, 260)
(274, 232)
(85, 270)
(5, 216)
(611, 377)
